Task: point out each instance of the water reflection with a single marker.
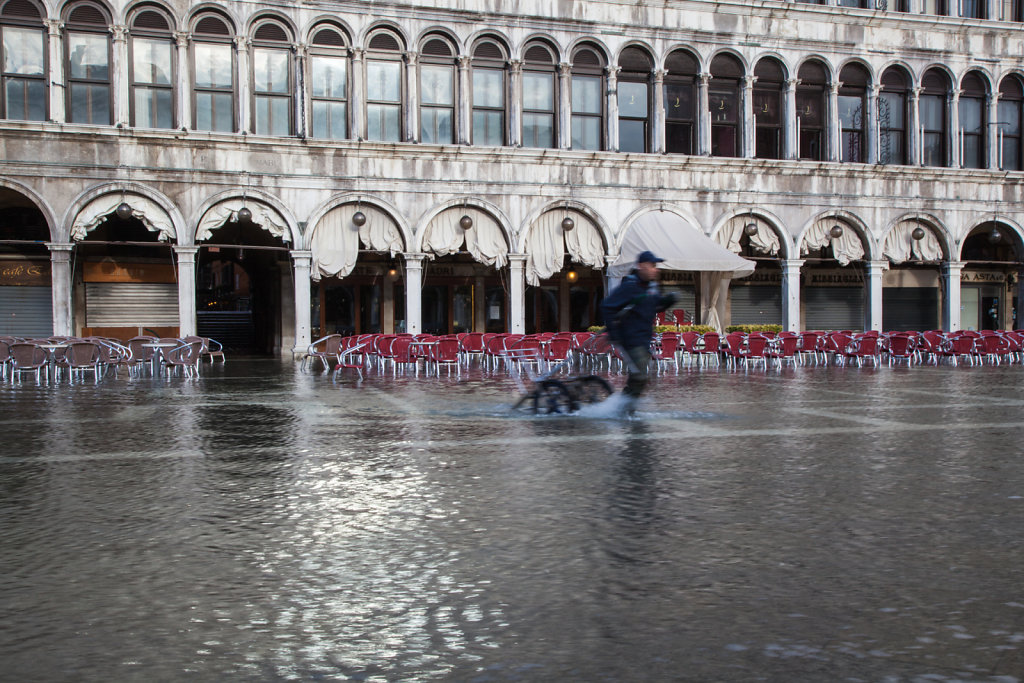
(261, 523)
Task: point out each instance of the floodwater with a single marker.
(257, 523)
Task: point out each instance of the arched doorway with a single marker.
(358, 281)
(465, 279)
(26, 304)
(243, 276)
(833, 278)
(757, 298)
(565, 257)
(990, 279)
(911, 287)
(125, 275)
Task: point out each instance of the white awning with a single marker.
(682, 247)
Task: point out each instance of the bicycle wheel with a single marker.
(552, 397)
(593, 389)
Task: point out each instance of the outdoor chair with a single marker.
(689, 345)
(859, 348)
(82, 357)
(350, 357)
(471, 345)
(783, 349)
(992, 347)
(26, 357)
(900, 346)
(322, 350)
(5, 358)
(666, 351)
(712, 347)
(557, 349)
(400, 354)
(141, 357)
(211, 348)
(445, 352)
(184, 359)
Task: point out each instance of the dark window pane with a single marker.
(723, 141)
(768, 146)
(679, 138)
(632, 135)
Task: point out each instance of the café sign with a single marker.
(25, 273)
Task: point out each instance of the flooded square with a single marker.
(260, 523)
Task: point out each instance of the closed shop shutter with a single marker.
(755, 305)
(685, 299)
(910, 308)
(131, 304)
(834, 308)
(26, 311)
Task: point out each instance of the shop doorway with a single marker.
(26, 304)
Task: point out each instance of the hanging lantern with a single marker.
(918, 234)
(836, 232)
(359, 219)
(572, 276)
(123, 211)
(568, 224)
(995, 237)
(750, 229)
(466, 222)
(244, 215)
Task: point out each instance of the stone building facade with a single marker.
(274, 172)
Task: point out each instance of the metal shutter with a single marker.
(755, 305)
(131, 304)
(26, 311)
(686, 299)
(910, 308)
(834, 308)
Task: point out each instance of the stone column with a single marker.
(994, 149)
(414, 292)
(55, 77)
(791, 140)
(563, 127)
(186, 290)
(463, 103)
(60, 282)
(833, 133)
(182, 93)
(612, 106)
(119, 75)
(412, 103)
(301, 263)
(871, 121)
(915, 143)
(357, 95)
(951, 288)
(515, 100)
(791, 294)
(659, 111)
(875, 271)
(301, 104)
(244, 119)
(747, 131)
(517, 293)
(953, 105)
(703, 115)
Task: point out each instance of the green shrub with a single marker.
(747, 329)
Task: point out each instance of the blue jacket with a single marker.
(629, 311)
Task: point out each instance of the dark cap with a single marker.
(648, 257)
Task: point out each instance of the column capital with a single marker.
(414, 259)
(119, 33)
(188, 251)
(792, 82)
(749, 81)
(301, 254)
(517, 261)
(704, 77)
(357, 53)
(791, 265)
(60, 248)
(242, 43)
(953, 267)
(54, 26)
(464, 61)
(411, 58)
(877, 267)
(564, 69)
(515, 66)
(612, 71)
(182, 38)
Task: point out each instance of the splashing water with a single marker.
(616, 406)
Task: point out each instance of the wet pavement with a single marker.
(809, 524)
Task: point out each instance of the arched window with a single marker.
(437, 92)
(1011, 116)
(634, 100)
(681, 102)
(328, 83)
(810, 110)
(1011, 10)
(213, 62)
(768, 90)
(540, 101)
(934, 120)
(88, 64)
(972, 121)
(587, 99)
(384, 71)
(724, 103)
(272, 79)
(152, 69)
(488, 94)
(23, 39)
(853, 107)
(893, 101)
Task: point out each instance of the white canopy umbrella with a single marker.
(684, 248)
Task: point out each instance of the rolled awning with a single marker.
(682, 247)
